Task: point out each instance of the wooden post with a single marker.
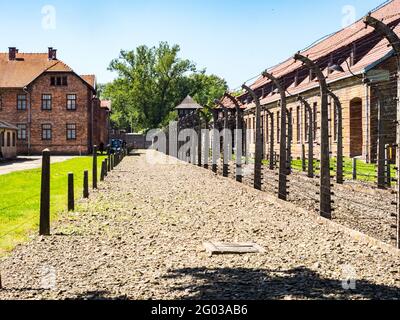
(86, 184)
(354, 169)
(102, 170)
(94, 168)
(106, 167)
(108, 161)
(44, 229)
(71, 195)
(206, 145)
(112, 159)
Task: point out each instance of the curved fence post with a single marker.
(258, 153)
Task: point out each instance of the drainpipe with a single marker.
(28, 93)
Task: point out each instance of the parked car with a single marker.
(116, 145)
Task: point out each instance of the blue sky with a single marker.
(235, 39)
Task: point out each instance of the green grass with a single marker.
(20, 198)
(366, 172)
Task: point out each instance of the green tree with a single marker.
(151, 82)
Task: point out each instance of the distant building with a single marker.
(51, 105)
(8, 140)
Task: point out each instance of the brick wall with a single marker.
(58, 117)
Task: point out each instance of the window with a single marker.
(1, 103)
(278, 127)
(13, 140)
(21, 102)
(46, 132)
(21, 131)
(71, 102)
(8, 139)
(315, 114)
(298, 127)
(2, 139)
(46, 101)
(59, 81)
(71, 131)
(266, 128)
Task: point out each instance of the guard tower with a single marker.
(187, 107)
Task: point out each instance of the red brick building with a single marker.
(364, 78)
(51, 105)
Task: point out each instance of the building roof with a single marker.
(334, 47)
(29, 66)
(106, 104)
(6, 125)
(189, 103)
(90, 79)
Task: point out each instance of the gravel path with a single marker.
(148, 245)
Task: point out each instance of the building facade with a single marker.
(50, 104)
(8, 141)
(360, 68)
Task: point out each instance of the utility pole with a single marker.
(386, 32)
(325, 183)
(258, 156)
(283, 164)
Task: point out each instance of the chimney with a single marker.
(12, 53)
(52, 54)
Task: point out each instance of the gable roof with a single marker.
(189, 103)
(29, 66)
(90, 79)
(6, 125)
(375, 50)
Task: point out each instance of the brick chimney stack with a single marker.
(12, 53)
(52, 53)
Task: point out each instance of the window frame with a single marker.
(49, 129)
(47, 100)
(25, 100)
(69, 130)
(75, 100)
(21, 137)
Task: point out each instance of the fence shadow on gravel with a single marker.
(258, 284)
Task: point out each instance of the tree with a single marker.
(151, 82)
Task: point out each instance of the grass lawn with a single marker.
(20, 198)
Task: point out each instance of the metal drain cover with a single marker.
(232, 248)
